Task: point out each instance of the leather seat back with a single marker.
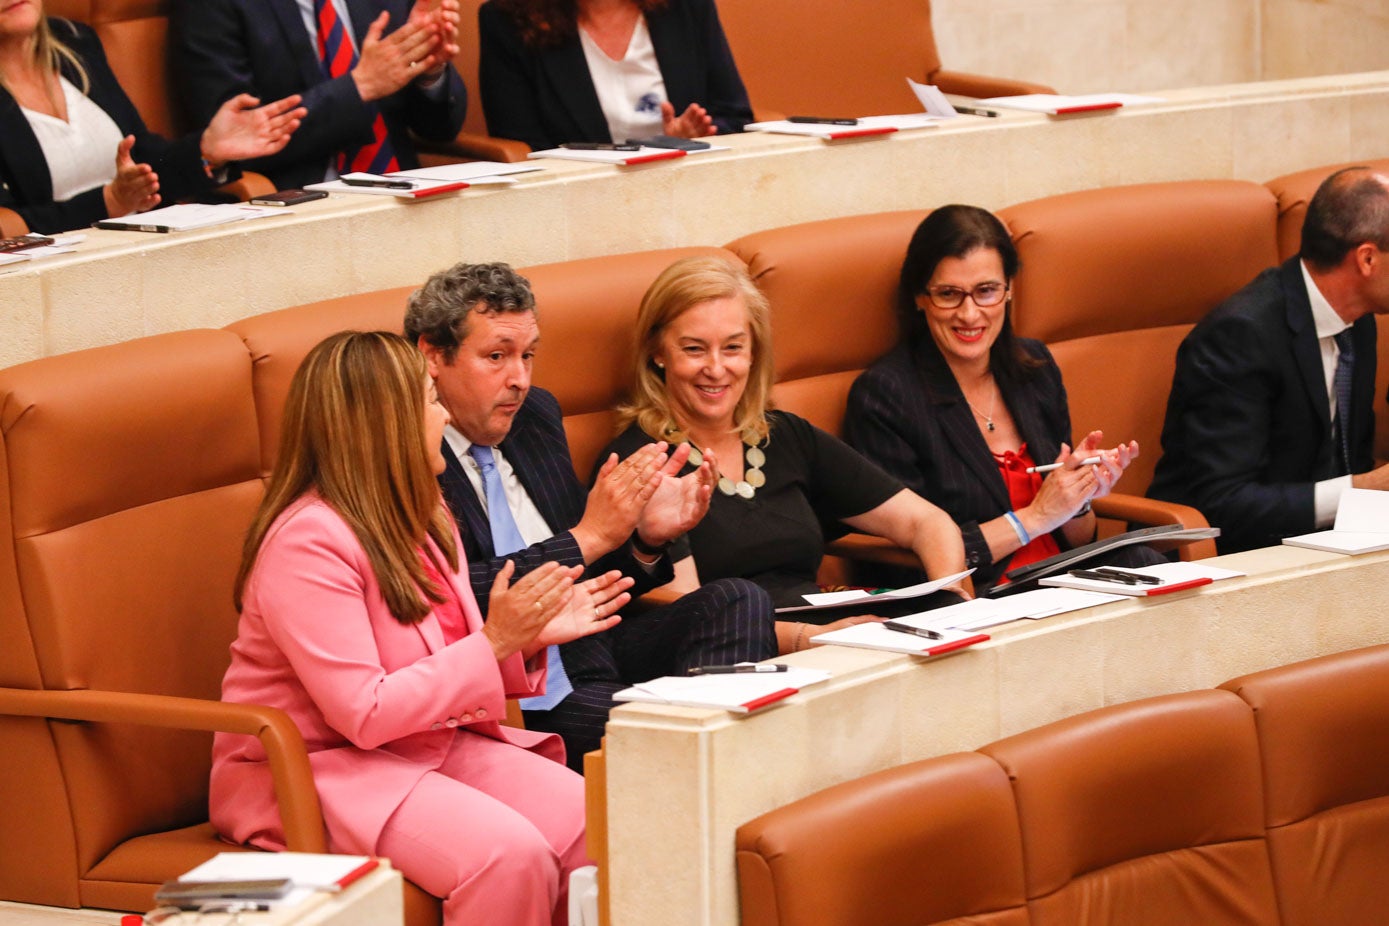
(133, 472)
(932, 842)
(1323, 728)
(1148, 814)
(832, 286)
(1113, 279)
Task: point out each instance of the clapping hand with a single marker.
(135, 187)
(679, 502)
(443, 16)
(592, 608)
(694, 122)
(388, 64)
(242, 129)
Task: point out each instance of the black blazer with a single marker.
(1248, 427)
(545, 97)
(538, 451)
(25, 184)
(221, 48)
(907, 414)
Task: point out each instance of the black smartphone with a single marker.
(288, 197)
(189, 895)
(670, 141)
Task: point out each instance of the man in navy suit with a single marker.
(395, 75)
(476, 325)
(1270, 416)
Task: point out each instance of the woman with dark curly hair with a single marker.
(555, 71)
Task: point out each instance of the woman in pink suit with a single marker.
(354, 621)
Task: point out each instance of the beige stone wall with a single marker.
(1082, 46)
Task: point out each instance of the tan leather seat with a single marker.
(933, 842)
(12, 224)
(1323, 728)
(1143, 814)
(844, 59)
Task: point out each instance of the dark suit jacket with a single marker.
(907, 414)
(1248, 427)
(545, 97)
(25, 184)
(221, 48)
(538, 451)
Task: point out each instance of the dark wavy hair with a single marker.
(547, 23)
(954, 231)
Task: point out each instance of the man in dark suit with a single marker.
(370, 71)
(1270, 416)
(506, 451)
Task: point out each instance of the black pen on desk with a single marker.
(915, 631)
(751, 668)
(1138, 577)
(976, 111)
(1095, 575)
(820, 120)
(1048, 467)
(599, 146)
(383, 183)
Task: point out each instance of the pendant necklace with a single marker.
(753, 461)
(989, 418)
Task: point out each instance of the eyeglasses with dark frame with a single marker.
(986, 294)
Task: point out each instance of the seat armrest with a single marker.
(981, 87)
(12, 224)
(300, 812)
(247, 187)
(469, 146)
(870, 549)
(1148, 512)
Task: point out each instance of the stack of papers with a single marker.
(738, 693)
(185, 216)
(474, 173)
(1362, 525)
(822, 600)
(876, 636)
(1172, 577)
(643, 155)
(866, 125)
(62, 244)
(1058, 105)
(309, 871)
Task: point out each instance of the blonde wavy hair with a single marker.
(685, 285)
(50, 52)
(354, 433)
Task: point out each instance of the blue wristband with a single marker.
(1013, 519)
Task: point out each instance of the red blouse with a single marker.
(1022, 489)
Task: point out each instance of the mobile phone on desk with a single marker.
(671, 141)
(600, 146)
(190, 895)
(820, 120)
(288, 197)
(23, 243)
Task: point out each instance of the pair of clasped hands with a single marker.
(641, 496)
(1066, 489)
(243, 129)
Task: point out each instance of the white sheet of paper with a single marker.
(471, 172)
(932, 100)
(910, 591)
(1365, 510)
(1052, 102)
(875, 636)
(729, 691)
(309, 871)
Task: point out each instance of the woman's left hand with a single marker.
(592, 608)
(1112, 462)
(243, 129)
(694, 122)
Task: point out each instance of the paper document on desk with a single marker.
(471, 172)
(322, 872)
(187, 216)
(1172, 577)
(418, 189)
(980, 613)
(876, 636)
(740, 693)
(863, 126)
(1059, 105)
(820, 600)
(62, 244)
(1362, 525)
(643, 155)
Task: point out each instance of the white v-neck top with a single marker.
(81, 152)
(631, 90)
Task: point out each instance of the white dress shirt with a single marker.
(81, 152)
(630, 90)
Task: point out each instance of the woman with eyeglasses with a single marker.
(962, 407)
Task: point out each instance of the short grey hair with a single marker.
(439, 310)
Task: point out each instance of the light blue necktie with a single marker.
(506, 538)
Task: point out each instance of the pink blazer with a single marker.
(378, 702)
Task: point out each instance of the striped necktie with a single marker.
(506, 538)
(1341, 385)
(339, 58)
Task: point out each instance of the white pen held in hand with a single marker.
(1048, 467)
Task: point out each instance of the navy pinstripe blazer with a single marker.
(907, 414)
(538, 451)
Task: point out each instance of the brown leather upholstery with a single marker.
(12, 224)
(933, 842)
(1294, 192)
(843, 59)
(1323, 728)
(1146, 814)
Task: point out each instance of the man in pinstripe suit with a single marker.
(476, 325)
